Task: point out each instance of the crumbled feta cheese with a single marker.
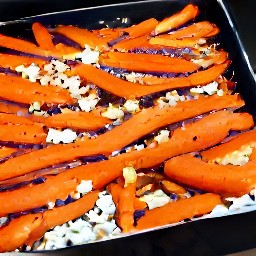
(203, 63)
(84, 187)
(240, 202)
(130, 175)
(107, 228)
(59, 66)
(55, 136)
(50, 205)
(106, 204)
(88, 56)
(220, 92)
(197, 90)
(113, 112)
(132, 77)
(32, 71)
(35, 106)
(162, 103)
(156, 199)
(238, 157)
(45, 79)
(162, 137)
(3, 220)
(132, 106)
(211, 88)
(93, 217)
(88, 103)
(139, 147)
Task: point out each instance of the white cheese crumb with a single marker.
(132, 106)
(84, 187)
(32, 71)
(139, 147)
(107, 227)
(156, 199)
(240, 202)
(59, 66)
(113, 112)
(106, 204)
(220, 92)
(3, 220)
(130, 175)
(88, 103)
(162, 137)
(196, 90)
(50, 205)
(88, 56)
(211, 88)
(55, 136)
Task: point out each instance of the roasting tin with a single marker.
(212, 236)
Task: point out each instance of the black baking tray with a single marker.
(217, 236)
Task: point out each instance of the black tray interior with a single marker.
(206, 237)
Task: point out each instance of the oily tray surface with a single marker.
(82, 107)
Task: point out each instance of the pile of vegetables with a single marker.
(145, 113)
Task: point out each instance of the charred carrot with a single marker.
(12, 61)
(43, 37)
(177, 211)
(225, 180)
(60, 215)
(188, 13)
(24, 46)
(18, 231)
(141, 29)
(199, 29)
(128, 90)
(23, 91)
(194, 137)
(147, 62)
(199, 78)
(146, 121)
(244, 139)
(65, 50)
(73, 120)
(82, 36)
(23, 133)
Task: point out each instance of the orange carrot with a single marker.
(199, 29)
(253, 155)
(14, 119)
(130, 43)
(194, 137)
(43, 37)
(146, 121)
(23, 133)
(244, 139)
(12, 61)
(6, 151)
(226, 180)
(66, 50)
(73, 120)
(139, 205)
(82, 36)
(11, 108)
(60, 215)
(18, 231)
(147, 62)
(128, 90)
(23, 91)
(188, 13)
(24, 46)
(174, 212)
(141, 29)
(115, 191)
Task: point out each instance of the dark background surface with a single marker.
(243, 11)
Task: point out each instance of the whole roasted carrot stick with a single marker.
(82, 36)
(188, 13)
(17, 231)
(199, 29)
(74, 120)
(43, 37)
(225, 180)
(244, 139)
(60, 215)
(141, 29)
(146, 121)
(130, 43)
(24, 46)
(194, 137)
(22, 133)
(177, 211)
(12, 61)
(128, 90)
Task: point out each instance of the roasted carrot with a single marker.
(18, 231)
(148, 62)
(6, 151)
(199, 29)
(24, 46)
(199, 78)
(188, 13)
(14, 119)
(214, 32)
(244, 139)
(12, 61)
(43, 37)
(60, 215)
(73, 120)
(23, 91)
(139, 205)
(141, 29)
(130, 43)
(146, 121)
(194, 137)
(65, 50)
(225, 180)
(82, 36)
(23, 133)
(177, 211)
(128, 90)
